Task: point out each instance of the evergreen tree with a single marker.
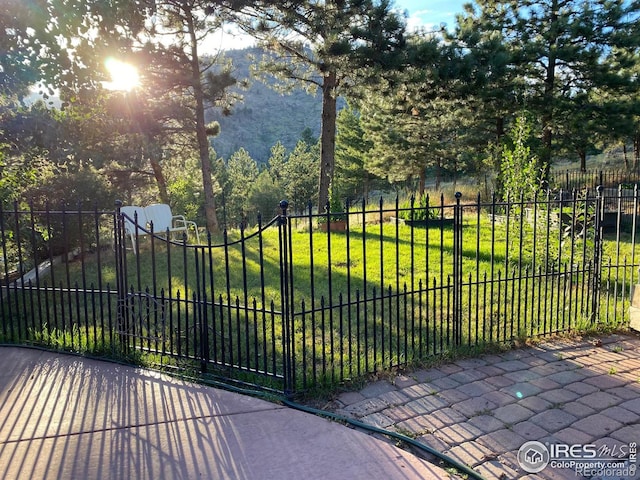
(265, 196)
(180, 75)
(414, 119)
(352, 180)
(241, 174)
(276, 162)
(325, 44)
(299, 174)
(488, 86)
(559, 50)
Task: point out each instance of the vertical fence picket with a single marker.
(6, 314)
(285, 292)
(457, 278)
(597, 255)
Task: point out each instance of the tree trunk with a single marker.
(583, 159)
(365, 188)
(549, 87)
(499, 129)
(327, 138)
(201, 132)
(160, 180)
(626, 158)
(422, 181)
(636, 151)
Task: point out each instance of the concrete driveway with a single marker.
(69, 417)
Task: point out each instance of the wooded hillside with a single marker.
(264, 116)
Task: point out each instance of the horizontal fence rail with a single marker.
(311, 300)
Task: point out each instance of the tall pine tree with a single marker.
(559, 49)
(326, 44)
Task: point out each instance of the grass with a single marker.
(374, 298)
(366, 258)
(94, 342)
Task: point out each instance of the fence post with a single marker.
(285, 299)
(457, 271)
(119, 248)
(597, 255)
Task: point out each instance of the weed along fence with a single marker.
(292, 305)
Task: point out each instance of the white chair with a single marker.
(159, 215)
(135, 221)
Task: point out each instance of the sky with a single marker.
(430, 13)
(427, 14)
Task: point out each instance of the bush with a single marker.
(419, 211)
(336, 210)
(264, 197)
(68, 191)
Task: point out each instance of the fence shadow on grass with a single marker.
(297, 309)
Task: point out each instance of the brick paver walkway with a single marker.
(482, 410)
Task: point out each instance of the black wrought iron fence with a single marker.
(576, 179)
(303, 301)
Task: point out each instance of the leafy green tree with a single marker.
(163, 38)
(265, 196)
(30, 147)
(325, 44)
(17, 173)
(62, 188)
(28, 45)
(183, 185)
(64, 43)
(521, 172)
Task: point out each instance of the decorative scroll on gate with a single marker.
(144, 317)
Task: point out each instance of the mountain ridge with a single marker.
(264, 116)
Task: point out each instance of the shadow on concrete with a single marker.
(64, 416)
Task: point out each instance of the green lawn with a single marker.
(325, 266)
(372, 298)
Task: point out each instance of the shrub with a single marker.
(419, 211)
